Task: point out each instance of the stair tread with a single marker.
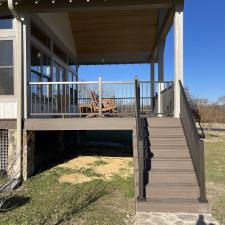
(172, 200)
(168, 170)
(173, 185)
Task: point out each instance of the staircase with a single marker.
(172, 185)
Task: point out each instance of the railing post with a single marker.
(100, 95)
(140, 144)
(202, 171)
(159, 99)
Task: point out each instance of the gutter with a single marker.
(18, 74)
(12, 9)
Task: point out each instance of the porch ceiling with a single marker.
(111, 31)
(117, 36)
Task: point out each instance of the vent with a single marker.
(4, 143)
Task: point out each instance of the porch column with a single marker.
(153, 86)
(178, 58)
(160, 75)
(19, 94)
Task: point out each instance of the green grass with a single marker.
(44, 201)
(215, 162)
(100, 163)
(89, 172)
(215, 175)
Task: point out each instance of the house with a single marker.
(42, 44)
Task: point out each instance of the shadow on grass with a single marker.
(89, 199)
(13, 202)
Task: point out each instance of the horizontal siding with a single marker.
(8, 110)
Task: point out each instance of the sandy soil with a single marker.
(88, 168)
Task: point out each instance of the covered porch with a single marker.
(59, 36)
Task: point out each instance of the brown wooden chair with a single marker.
(108, 105)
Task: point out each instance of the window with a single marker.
(46, 67)
(6, 68)
(60, 53)
(41, 36)
(72, 66)
(35, 65)
(6, 22)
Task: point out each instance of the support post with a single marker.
(28, 154)
(160, 76)
(19, 93)
(178, 57)
(140, 144)
(100, 95)
(153, 86)
(26, 65)
(202, 171)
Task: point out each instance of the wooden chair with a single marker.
(108, 105)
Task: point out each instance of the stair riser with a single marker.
(172, 208)
(165, 130)
(172, 164)
(156, 192)
(164, 123)
(172, 178)
(168, 142)
(170, 154)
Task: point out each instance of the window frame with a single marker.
(13, 39)
(10, 35)
(54, 59)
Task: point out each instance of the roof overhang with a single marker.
(111, 31)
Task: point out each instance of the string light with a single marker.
(36, 2)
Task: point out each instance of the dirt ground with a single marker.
(88, 168)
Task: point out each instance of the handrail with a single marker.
(195, 143)
(140, 143)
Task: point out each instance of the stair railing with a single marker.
(140, 144)
(195, 143)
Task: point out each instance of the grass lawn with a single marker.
(46, 200)
(215, 174)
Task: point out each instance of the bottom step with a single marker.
(171, 205)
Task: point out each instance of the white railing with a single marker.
(94, 98)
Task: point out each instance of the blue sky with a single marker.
(204, 53)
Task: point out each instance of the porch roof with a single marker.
(112, 31)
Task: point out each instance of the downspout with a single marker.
(18, 75)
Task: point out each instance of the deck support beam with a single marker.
(178, 57)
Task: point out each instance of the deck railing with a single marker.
(157, 97)
(195, 143)
(98, 98)
(140, 143)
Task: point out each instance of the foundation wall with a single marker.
(28, 154)
(14, 169)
